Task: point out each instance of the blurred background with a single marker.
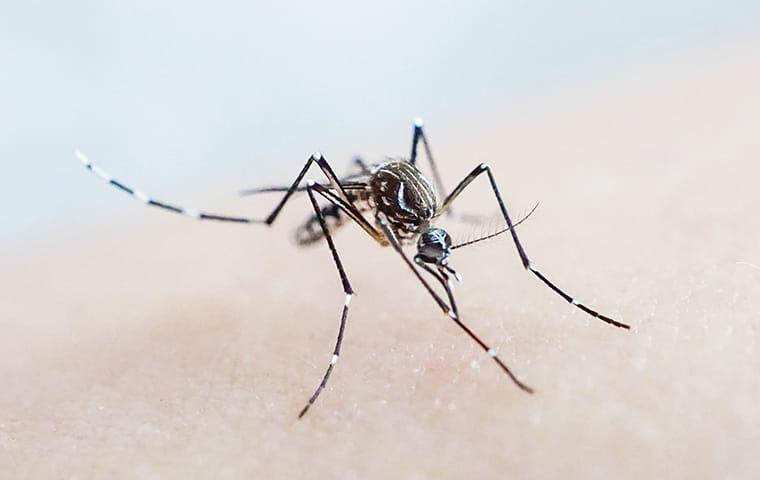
(179, 98)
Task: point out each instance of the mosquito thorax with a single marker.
(434, 246)
(404, 196)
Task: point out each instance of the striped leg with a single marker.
(326, 169)
(483, 168)
(397, 246)
(419, 134)
(347, 186)
(346, 289)
(348, 183)
(193, 213)
(451, 309)
(137, 194)
(443, 278)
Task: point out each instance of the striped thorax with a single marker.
(405, 197)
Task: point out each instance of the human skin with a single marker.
(178, 349)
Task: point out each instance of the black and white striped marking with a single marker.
(491, 352)
(333, 359)
(573, 301)
(484, 168)
(147, 200)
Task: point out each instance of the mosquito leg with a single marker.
(527, 264)
(344, 315)
(140, 196)
(349, 209)
(450, 310)
(419, 135)
(193, 213)
(490, 351)
(397, 246)
(326, 169)
(443, 279)
(347, 183)
(348, 186)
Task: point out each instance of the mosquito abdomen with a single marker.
(310, 232)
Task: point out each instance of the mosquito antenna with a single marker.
(495, 234)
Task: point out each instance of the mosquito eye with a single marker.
(430, 250)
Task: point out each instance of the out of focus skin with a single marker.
(179, 349)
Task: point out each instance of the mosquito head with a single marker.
(434, 246)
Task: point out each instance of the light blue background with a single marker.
(177, 96)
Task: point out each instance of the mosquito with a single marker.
(402, 205)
